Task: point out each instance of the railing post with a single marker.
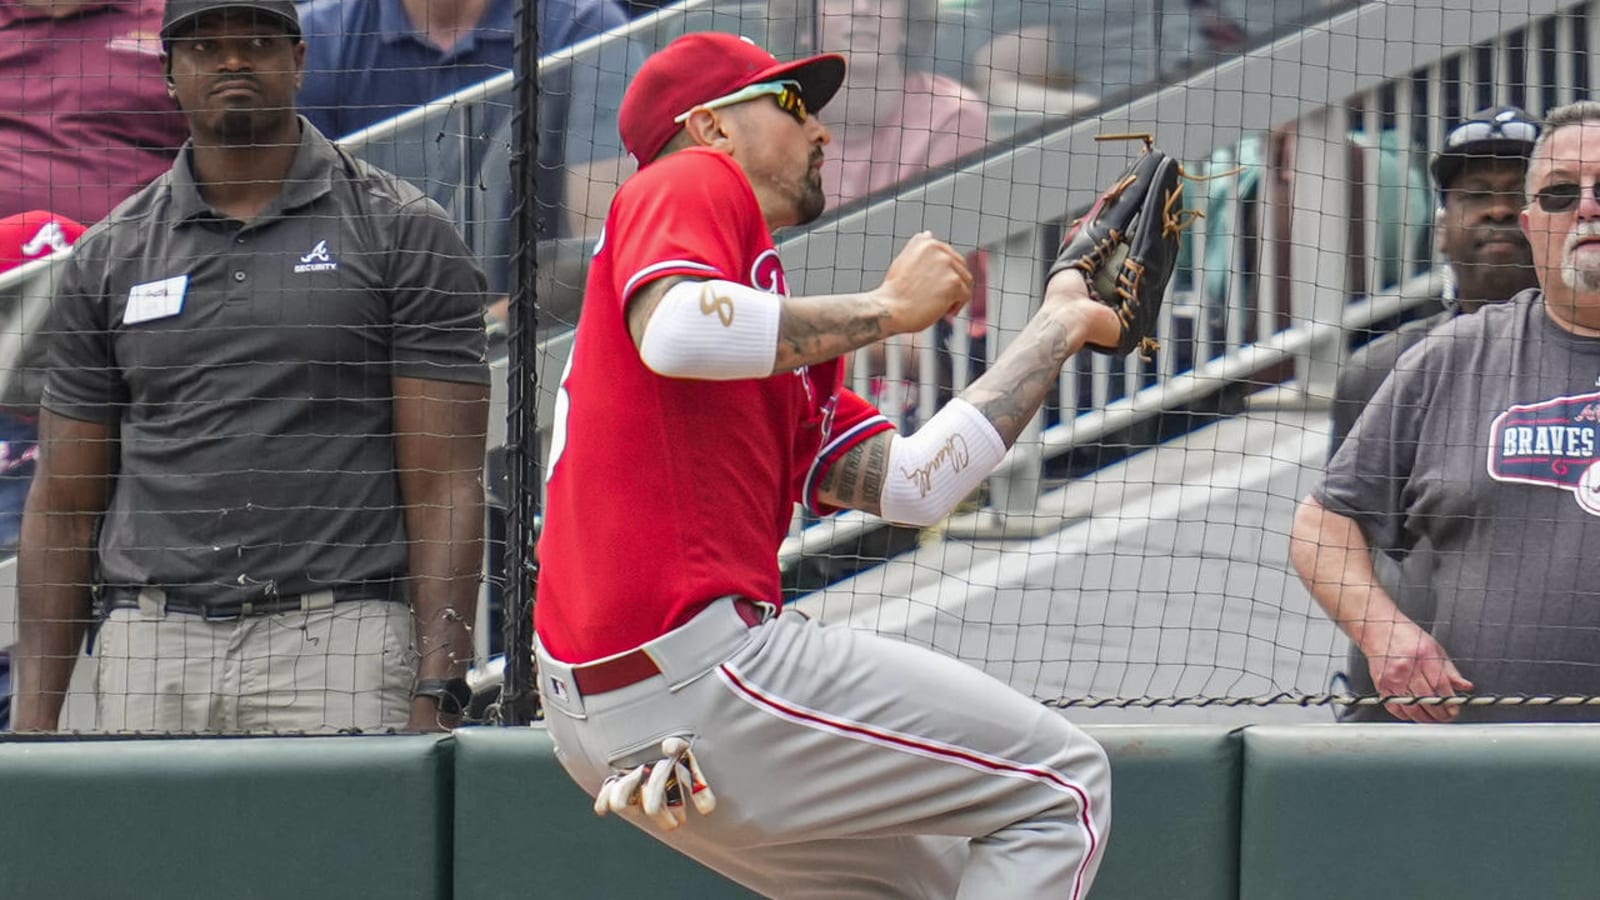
(1319, 255)
(1016, 283)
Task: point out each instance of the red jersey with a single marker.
(667, 493)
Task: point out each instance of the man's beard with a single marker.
(812, 201)
(1580, 278)
(1484, 281)
(244, 127)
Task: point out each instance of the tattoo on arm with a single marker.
(817, 329)
(855, 481)
(1010, 393)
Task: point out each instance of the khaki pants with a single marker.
(322, 668)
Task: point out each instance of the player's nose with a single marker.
(817, 132)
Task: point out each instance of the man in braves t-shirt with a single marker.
(1484, 443)
(700, 403)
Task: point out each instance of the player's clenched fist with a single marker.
(928, 280)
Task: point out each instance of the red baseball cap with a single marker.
(702, 66)
(35, 234)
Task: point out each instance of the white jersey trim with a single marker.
(646, 272)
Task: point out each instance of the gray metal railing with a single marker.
(1312, 87)
(1315, 86)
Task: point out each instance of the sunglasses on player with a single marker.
(787, 93)
(1563, 196)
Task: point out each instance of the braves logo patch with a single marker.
(1552, 443)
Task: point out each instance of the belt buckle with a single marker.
(212, 614)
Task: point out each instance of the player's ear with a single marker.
(705, 129)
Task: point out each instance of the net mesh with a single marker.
(1138, 555)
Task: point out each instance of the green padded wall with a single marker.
(241, 818)
(1361, 812)
(524, 831)
(1174, 831)
(1174, 812)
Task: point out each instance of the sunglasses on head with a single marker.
(786, 93)
(1563, 196)
(1493, 130)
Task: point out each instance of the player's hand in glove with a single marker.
(658, 787)
(1127, 245)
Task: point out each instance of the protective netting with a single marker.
(1144, 551)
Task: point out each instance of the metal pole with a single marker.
(519, 700)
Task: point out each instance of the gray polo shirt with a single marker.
(248, 370)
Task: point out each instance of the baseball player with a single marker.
(699, 404)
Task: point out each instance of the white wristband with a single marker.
(929, 472)
(716, 330)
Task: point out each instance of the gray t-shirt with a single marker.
(247, 369)
(1366, 369)
(1359, 379)
(1486, 443)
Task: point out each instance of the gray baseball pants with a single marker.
(848, 765)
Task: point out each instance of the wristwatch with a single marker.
(454, 695)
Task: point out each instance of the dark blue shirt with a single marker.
(366, 62)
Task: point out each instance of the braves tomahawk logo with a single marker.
(1553, 443)
(48, 239)
(318, 260)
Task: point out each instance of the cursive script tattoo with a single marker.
(954, 452)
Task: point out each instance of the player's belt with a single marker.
(637, 665)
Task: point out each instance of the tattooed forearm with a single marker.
(856, 480)
(876, 467)
(817, 329)
(1009, 394)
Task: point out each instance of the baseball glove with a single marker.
(1127, 245)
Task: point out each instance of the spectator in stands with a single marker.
(1480, 173)
(24, 237)
(892, 120)
(1484, 442)
(85, 121)
(374, 60)
(1221, 28)
(371, 61)
(267, 377)
(1036, 58)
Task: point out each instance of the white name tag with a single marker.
(155, 300)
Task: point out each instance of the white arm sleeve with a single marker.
(930, 471)
(715, 330)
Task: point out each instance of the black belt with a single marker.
(185, 601)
